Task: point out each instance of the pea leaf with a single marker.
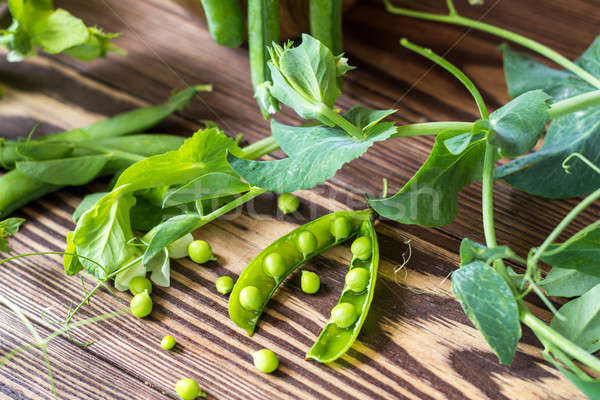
(430, 197)
(66, 171)
(57, 30)
(208, 186)
(315, 154)
(8, 227)
(588, 386)
(98, 45)
(489, 303)
(70, 260)
(568, 282)
(518, 125)
(171, 230)
(103, 233)
(472, 251)
(581, 322)
(581, 252)
(541, 173)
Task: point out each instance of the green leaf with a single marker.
(160, 267)
(541, 173)
(518, 125)
(87, 203)
(472, 251)
(97, 45)
(171, 230)
(366, 118)
(66, 171)
(44, 151)
(489, 303)
(204, 152)
(581, 322)
(56, 31)
(568, 282)
(103, 234)
(209, 186)
(8, 227)
(581, 252)
(71, 262)
(590, 387)
(430, 197)
(315, 154)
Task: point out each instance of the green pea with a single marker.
(344, 315)
(310, 282)
(341, 228)
(274, 265)
(187, 389)
(265, 360)
(288, 203)
(251, 298)
(179, 248)
(361, 248)
(141, 305)
(357, 279)
(168, 342)
(224, 284)
(306, 243)
(140, 284)
(200, 251)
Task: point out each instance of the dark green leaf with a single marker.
(315, 154)
(171, 230)
(472, 251)
(66, 171)
(581, 322)
(430, 196)
(541, 173)
(518, 125)
(489, 303)
(581, 252)
(568, 282)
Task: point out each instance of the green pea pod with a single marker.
(225, 21)
(287, 246)
(326, 23)
(333, 341)
(17, 189)
(263, 30)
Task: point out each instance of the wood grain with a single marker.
(417, 342)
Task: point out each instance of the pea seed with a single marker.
(187, 389)
(139, 284)
(251, 298)
(200, 251)
(265, 360)
(168, 342)
(224, 284)
(288, 203)
(274, 265)
(341, 228)
(344, 315)
(361, 248)
(357, 279)
(306, 243)
(310, 282)
(141, 305)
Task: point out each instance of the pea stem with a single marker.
(574, 103)
(340, 121)
(454, 18)
(258, 149)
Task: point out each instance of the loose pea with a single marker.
(357, 279)
(288, 203)
(200, 251)
(224, 284)
(306, 243)
(188, 389)
(139, 284)
(310, 282)
(274, 265)
(141, 305)
(341, 228)
(265, 360)
(250, 298)
(168, 342)
(361, 248)
(179, 248)
(344, 315)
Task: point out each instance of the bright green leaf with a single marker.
(57, 30)
(8, 227)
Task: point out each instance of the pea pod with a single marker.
(326, 23)
(264, 274)
(334, 341)
(18, 189)
(225, 21)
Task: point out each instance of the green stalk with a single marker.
(574, 103)
(454, 18)
(261, 148)
(340, 121)
(326, 23)
(430, 128)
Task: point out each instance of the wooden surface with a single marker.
(416, 344)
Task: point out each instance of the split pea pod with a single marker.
(351, 311)
(225, 21)
(263, 30)
(264, 274)
(326, 23)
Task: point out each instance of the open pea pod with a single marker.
(293, 250)
(334, 341)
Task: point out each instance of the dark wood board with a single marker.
(417, 343)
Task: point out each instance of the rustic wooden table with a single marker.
(416, 344)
